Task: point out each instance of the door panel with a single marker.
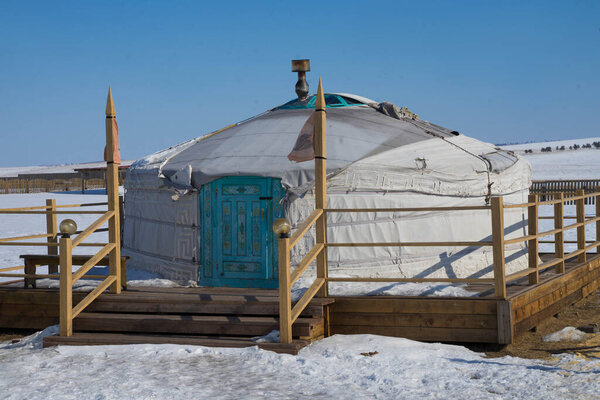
(240, 215)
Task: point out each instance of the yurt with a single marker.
(202, 210)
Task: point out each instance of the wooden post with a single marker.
(285, 301)
(559, 238)
(532, 214)
(6, 186)
(597, 200)
(112, 192)
(498, 246)
(580, 209)
(121, 219)
(320, 145)
(52, 229)
(66, 286)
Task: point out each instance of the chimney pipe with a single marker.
(301, 67)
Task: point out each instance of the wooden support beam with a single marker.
(598, 216)
(559, 237)
(498, 247)
(66, 287)
(532, 213)
(320, 144)
(112, 192)
(506, 326)
(52, 229)
(285, 296)
(580, 209)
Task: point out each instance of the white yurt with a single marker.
(202, 210)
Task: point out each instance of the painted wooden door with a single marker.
(239, 248)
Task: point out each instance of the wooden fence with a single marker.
(546, 188)
(500, 279)
(39, 185)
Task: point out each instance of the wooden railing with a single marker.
(50, 210)
(68, 277)
(287, 314)
(533, 237)
(498, 243)
(66, 244)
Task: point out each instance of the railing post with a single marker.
(580, 208)
(498, 246)
(320, 143)
(52, 229)
(559, 238)
(597, 200)
(532, 216)
(112, 192)
(285, 300)
(66, 286)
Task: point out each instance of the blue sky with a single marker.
(505, 71)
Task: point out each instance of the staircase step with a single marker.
(90, 339)
(197, 303)
(164, 306)
(192, 324)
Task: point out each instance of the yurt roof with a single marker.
(356, 133)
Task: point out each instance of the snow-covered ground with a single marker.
(561, 164)
(333, 368)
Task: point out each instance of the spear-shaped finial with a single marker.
(110, 106)
(320, 102)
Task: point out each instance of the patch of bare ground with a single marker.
(14, 334)
(586, 312)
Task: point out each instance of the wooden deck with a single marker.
(230, 317)
(484, 319)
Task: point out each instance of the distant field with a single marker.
(561, 164)
(537, 146)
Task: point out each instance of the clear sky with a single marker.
(504, 71)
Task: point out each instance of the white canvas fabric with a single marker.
(373, 160)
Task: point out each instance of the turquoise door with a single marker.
(238, 246)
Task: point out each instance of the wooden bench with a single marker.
(32, 261)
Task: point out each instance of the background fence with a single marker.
(39, 185)
(545, 189)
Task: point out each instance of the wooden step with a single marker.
(193, 324)
(91, 339)
(221, 307)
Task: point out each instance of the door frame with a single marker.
(208, 198)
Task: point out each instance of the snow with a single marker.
(574, 164)
(383, 289)
(568, 333)
(536, 146)
(332, 368)
(545, 225)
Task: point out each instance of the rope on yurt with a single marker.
(488, 197)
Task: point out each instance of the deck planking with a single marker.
(172, 315)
